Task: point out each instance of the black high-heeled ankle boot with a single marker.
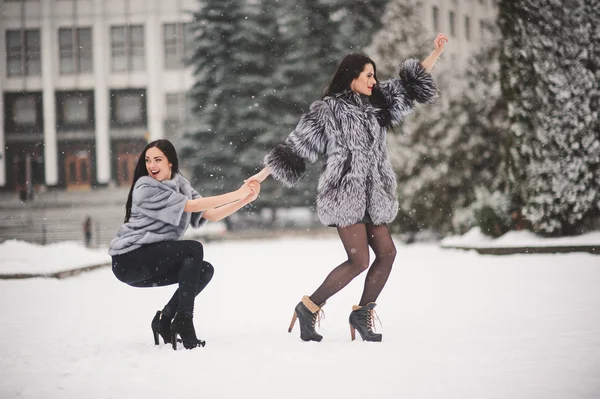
(361, 319)
(309, 314)
(183, 325)
(161, 324)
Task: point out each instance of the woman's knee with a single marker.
(207, 271)
(387, 254)
(195, 250)
(359, 262)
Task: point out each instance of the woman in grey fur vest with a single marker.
(357, 188)
(147, 252)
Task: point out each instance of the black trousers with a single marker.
(166, 263)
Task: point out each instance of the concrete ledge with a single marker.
(592, 249)
(58, 275)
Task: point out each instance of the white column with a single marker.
(3, 160)
(2, 140)
(154, 46)
(101, 45)
(48, 49)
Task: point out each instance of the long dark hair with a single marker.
(348, 70)
(140, 168)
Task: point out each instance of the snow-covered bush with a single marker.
(489, 211)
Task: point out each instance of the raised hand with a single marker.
(439, 42)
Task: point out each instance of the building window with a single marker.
(451, 20)
(436, 19)
(23, 112)
(127, 48)
(173, 114)
(482, 29)
(23, 54)
(75, 49)
(128, 107)
(467, 27)
(75, 109)
(178, 44)
(177, 108)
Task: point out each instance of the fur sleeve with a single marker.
(305, 143)
(413, 84)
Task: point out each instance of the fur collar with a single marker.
(353, 98)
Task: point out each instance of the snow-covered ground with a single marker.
(455, 324)
(24, 257)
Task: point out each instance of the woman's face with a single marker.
(364, 83)
(157, 164)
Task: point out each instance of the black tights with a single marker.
(357, 239)
(166, 263)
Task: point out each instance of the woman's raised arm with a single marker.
(439, 43)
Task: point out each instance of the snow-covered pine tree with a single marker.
(356, 22)
(556, 150)
(212, 147)
(255, 54)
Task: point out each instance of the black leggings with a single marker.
(357, 239)
(167, 263)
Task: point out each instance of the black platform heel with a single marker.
(183, 325)
(161, 324)
(362, 319)
(309, 314)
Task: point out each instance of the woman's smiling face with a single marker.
(157, 164)
(364, 83)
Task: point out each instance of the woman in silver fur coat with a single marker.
(357, 190)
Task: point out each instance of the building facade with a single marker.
(85, 84)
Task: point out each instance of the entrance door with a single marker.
(126, 167)
(27, 171)
(78, 171)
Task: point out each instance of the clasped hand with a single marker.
(250, 190)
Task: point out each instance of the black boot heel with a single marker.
(183, 325)
(361, 320)
(308, 315)
(161, 324)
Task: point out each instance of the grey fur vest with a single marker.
(357, 176)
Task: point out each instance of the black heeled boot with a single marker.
(309, 314)
(161, 324)
(183, 325)
(361, 319)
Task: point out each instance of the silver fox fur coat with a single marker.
(357, 176)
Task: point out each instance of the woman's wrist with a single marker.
(264, 173)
